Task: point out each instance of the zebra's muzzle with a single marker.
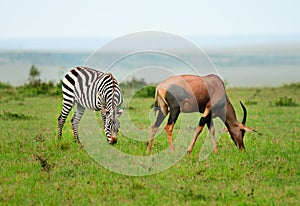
(112, 140)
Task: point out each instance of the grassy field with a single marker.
(37, 169)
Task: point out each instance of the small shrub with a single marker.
(44, 163)
(65, 146)
(146, 92)
(5, 85)
(129, 87)
(285, 101)
(14, 116)
(35, 88)
(34, 73)
(292, 85)
(59, 87)
(251, 102)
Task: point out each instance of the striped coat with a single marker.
(94, 90)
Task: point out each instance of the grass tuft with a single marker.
(15, 116)
(44, 162)
(285, 102)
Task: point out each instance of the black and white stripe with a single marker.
(94, 90)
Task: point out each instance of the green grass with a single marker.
(37, 169)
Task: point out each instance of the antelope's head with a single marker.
(237, 133)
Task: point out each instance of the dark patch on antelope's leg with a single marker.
(174, 106)
(174, 113)
(160, 118)
(203, 120)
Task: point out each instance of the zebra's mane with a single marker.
(113, 94)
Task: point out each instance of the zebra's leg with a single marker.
(67, 106)
(76, 119)
(103, 115)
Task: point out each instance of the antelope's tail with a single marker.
(156, 106)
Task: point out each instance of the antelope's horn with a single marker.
(245, 113)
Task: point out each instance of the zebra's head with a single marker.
(112, 126)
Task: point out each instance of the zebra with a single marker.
(94, 90)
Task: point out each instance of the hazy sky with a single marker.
(111, 18)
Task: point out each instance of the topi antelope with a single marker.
(204, 94)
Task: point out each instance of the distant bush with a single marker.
(34, 73)
(285, 101)
(292, 85)
(148, 91)
(59, 87)
(35, 88)
(5, 85)
(144, 90)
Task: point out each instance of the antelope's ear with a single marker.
(247, 129)
(120, 111)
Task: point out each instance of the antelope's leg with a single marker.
(174, 113)
(198, 131)
(212, 135)
(160, 118)
(203, 120)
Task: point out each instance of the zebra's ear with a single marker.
(120, 111)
